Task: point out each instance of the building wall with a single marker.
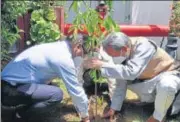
(121, 11)
(152, 12)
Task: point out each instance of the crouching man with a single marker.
(147, 70)
(25, 78)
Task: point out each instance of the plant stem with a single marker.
(95, 88)
(96, 100)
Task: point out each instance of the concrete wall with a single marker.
(121, 11)
(152, 12)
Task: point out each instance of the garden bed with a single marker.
(66, 112)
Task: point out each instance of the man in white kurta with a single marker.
(152, 72)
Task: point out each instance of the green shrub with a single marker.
(43, 29)
(175, 19)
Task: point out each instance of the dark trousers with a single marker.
(38, 98)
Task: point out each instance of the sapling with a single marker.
(90, 21)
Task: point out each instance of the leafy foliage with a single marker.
(175, 19)
(10, 11)
(91, 21)
(100, 100)
(43, 29)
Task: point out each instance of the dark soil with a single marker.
(66, 112)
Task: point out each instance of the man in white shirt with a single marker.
(30, 72)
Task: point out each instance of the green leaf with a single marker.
(55, 26)
(79, 4)
(57, 37)
(80, 27)
(107, 25)
(41, 31)
(90, 28)
(109, 3)
(47, 31)
(117, 28)
(50, 14)
(33, 38)
(111, 21)
(36, 15)
(74, 5)
(94, 19)
(85, 3)
(17, 36)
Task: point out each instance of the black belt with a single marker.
(3, 82)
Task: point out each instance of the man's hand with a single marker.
(92, 63)
(110, 114)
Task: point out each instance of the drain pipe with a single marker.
(172, 46)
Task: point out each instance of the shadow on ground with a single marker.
(130, 113)
(67, 113)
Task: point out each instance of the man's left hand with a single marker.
(92, 63)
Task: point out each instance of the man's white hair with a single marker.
(116, 40)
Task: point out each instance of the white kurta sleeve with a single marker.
(118, 91)
(142, 53)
